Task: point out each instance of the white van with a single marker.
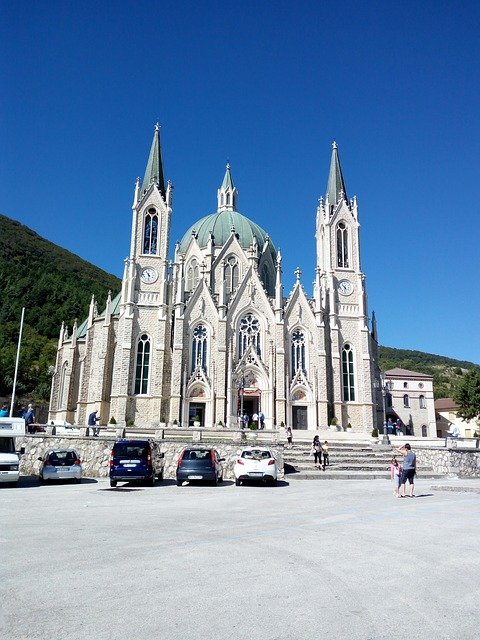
(10, 428)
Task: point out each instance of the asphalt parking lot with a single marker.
(339, 559)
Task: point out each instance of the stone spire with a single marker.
(227, 194)
(154, 170)
(336, 185)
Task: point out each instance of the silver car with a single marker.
(60, 464)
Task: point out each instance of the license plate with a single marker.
(256, 474)
(195, 477)
(129, 465)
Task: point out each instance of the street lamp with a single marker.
(385, 393)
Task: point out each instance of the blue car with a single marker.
(136, 461)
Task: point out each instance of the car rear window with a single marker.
(256, 454)
(201, 456)
(125, 450)
(62, 457)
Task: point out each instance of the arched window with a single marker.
(151, 232)
(405, 385)
(192, 274)
(348, 374)
(342, 245)
(199, 347)
(228, 198)
(298, 352)
(62, 392)
(231, 274)
(421, 401)
(143, 365)
(406, 400)
(249, 334)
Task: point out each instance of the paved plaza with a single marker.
(303, 560)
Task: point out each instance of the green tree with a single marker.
(467, 395)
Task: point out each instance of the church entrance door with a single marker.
(196, 409)
(299, 417)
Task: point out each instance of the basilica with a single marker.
(207, 333)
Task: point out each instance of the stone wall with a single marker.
(464, 463)
(95, 453)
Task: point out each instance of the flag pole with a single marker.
(16, 363)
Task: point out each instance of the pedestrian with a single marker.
(30, 419)
(390, 427)
(289, 437)
(246, 420)
(4, 411)
(261, 418)
(255, 420)
(92, 422)
(326, 458)
(409, 469)
(396, 475)
(317, 451)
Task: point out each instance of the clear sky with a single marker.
(267, 86)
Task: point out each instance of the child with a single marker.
(396, 476)
(325, 455)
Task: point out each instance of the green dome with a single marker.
(220, 225)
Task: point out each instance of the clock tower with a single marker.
(342, 297)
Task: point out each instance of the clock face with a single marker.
(149, 275)
(345, 287)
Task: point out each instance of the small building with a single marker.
(446, 413)
(410, 400)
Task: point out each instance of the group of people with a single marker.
(319, 450)
(400, 474)
(258, 418)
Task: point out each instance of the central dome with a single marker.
(220, 224)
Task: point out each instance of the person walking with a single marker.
(4, 411)
(261, 418)
(30, 419)
(317, 451)
(92, 422)
(289, 437)
(326, 458)
(409, 470)
(246, 421)
(395, 475)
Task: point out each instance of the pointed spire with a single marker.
(154, 170)
(227, 194)
(336, 185)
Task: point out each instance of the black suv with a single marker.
(199, 464)
(138, 460)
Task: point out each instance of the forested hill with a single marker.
(54, 286)
(446, 372)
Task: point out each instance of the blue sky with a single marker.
(267, 86)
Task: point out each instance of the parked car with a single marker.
(255, 463)
(36, 428)
(136, 460)
(60, 464)
(199, 464)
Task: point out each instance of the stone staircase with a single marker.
(348, 461)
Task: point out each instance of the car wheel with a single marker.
(160, 476)
(215, 481)
(237, 482)
(179, 483)
(113, 483)
(220, 480)
(151, 481)
(41, 480)
(77, 480)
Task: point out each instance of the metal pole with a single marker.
(16, 363)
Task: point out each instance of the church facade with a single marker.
(210, 335)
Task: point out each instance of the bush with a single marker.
(375, 433)
(349, 425)
(253, 425)
(334, 421)
(130, 423)
(112, 421)
(175, 422)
